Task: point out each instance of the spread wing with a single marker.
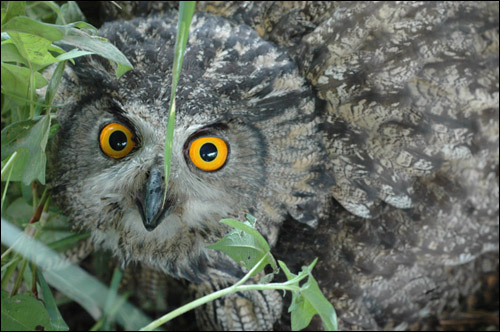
(410, 93)
(407, 88)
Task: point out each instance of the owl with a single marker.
(365, 134)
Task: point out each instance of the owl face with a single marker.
(246, 141)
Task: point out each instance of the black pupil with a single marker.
(118, 140)
(208, 152)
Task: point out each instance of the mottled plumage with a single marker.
(375, 124)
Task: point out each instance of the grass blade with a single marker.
(186, 11)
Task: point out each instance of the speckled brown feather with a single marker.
(403, 135)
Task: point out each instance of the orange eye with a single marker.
(116, 140)
(208, 153)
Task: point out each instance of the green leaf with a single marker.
(301, 311)
(55, 316)
(54, 83)
(92, 44)
(70, 35)
(27, 25)
(249, 228)
(19, 211)
(289, 275)
(186, 10)
(24, 313)
(69, 279)
(70, 12)
(73, 54)
(244, 245)
(315, 299)
(29, 138)
(69, 240)
(15, 82)
(11, 54)
(33, 48)
(14, 8)
(309, 301)
(112, 300)
(122, 69)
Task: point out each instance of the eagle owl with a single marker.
(362, 133)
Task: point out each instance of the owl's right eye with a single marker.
(116, 140)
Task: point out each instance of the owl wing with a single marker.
(407, 88)
(410, 95)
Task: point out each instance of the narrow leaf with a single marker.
(91, 44)
(54, 82)
(69, 279)
(186, 10)
(56, 318)
(28, 25)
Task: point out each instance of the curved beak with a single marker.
(151, 205)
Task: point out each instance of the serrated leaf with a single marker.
(24, 313)
(248, 228)
(244, 245)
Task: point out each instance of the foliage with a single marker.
(186, 10)
(250, 249)
(37, 36)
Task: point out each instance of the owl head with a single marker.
(245, 141)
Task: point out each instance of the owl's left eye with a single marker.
(208, 153)
(116, 140)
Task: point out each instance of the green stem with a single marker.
(238, 287)
(211, 297)
(8, 164)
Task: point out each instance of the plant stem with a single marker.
(238, 287)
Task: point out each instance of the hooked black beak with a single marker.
(151, 205)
